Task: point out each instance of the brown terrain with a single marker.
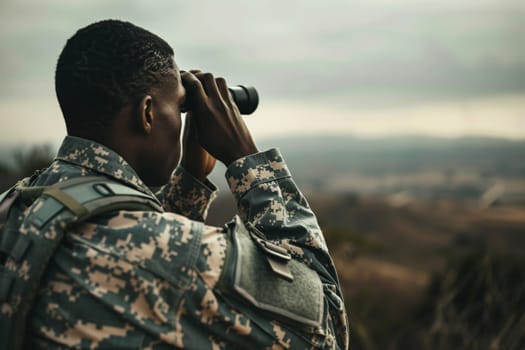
(390, 255)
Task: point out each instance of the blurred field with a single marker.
(397, 265)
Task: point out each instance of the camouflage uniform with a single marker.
(149, 280)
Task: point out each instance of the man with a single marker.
(146, 279)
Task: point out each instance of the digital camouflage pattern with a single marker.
(149, 280)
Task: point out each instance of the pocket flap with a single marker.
(299, 300)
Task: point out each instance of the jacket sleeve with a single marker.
(187, 196)
(269, 200)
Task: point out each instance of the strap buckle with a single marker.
(278, 257)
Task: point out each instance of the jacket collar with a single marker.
(101, 159)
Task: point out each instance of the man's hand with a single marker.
(195, 159)
(220, 128)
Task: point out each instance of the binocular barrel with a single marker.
(245, 97)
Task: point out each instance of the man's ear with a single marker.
(146, 116)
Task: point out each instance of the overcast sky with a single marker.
(368, 67)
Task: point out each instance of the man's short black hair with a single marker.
(105, 66)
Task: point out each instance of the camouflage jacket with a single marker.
(149, 280)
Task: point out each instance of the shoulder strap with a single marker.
(86, 197)
(24, 257)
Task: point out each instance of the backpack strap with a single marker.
(86, 197)
(68, 203)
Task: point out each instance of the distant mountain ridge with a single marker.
(350, 150)
(403, 153)
(417, 165)
(406, 166)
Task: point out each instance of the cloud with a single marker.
(373, 54)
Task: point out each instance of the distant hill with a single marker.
(7, 151)
(6, 155)
(403, 154)
(410, 165)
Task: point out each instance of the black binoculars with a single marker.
(245, 97)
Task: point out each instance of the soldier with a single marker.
(133, 279)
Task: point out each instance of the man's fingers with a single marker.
(209, 84)
(223, 89)
(206, 87)
(195, 91)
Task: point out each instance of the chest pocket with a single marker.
(267, 277)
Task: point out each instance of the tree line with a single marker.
(25, 161)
